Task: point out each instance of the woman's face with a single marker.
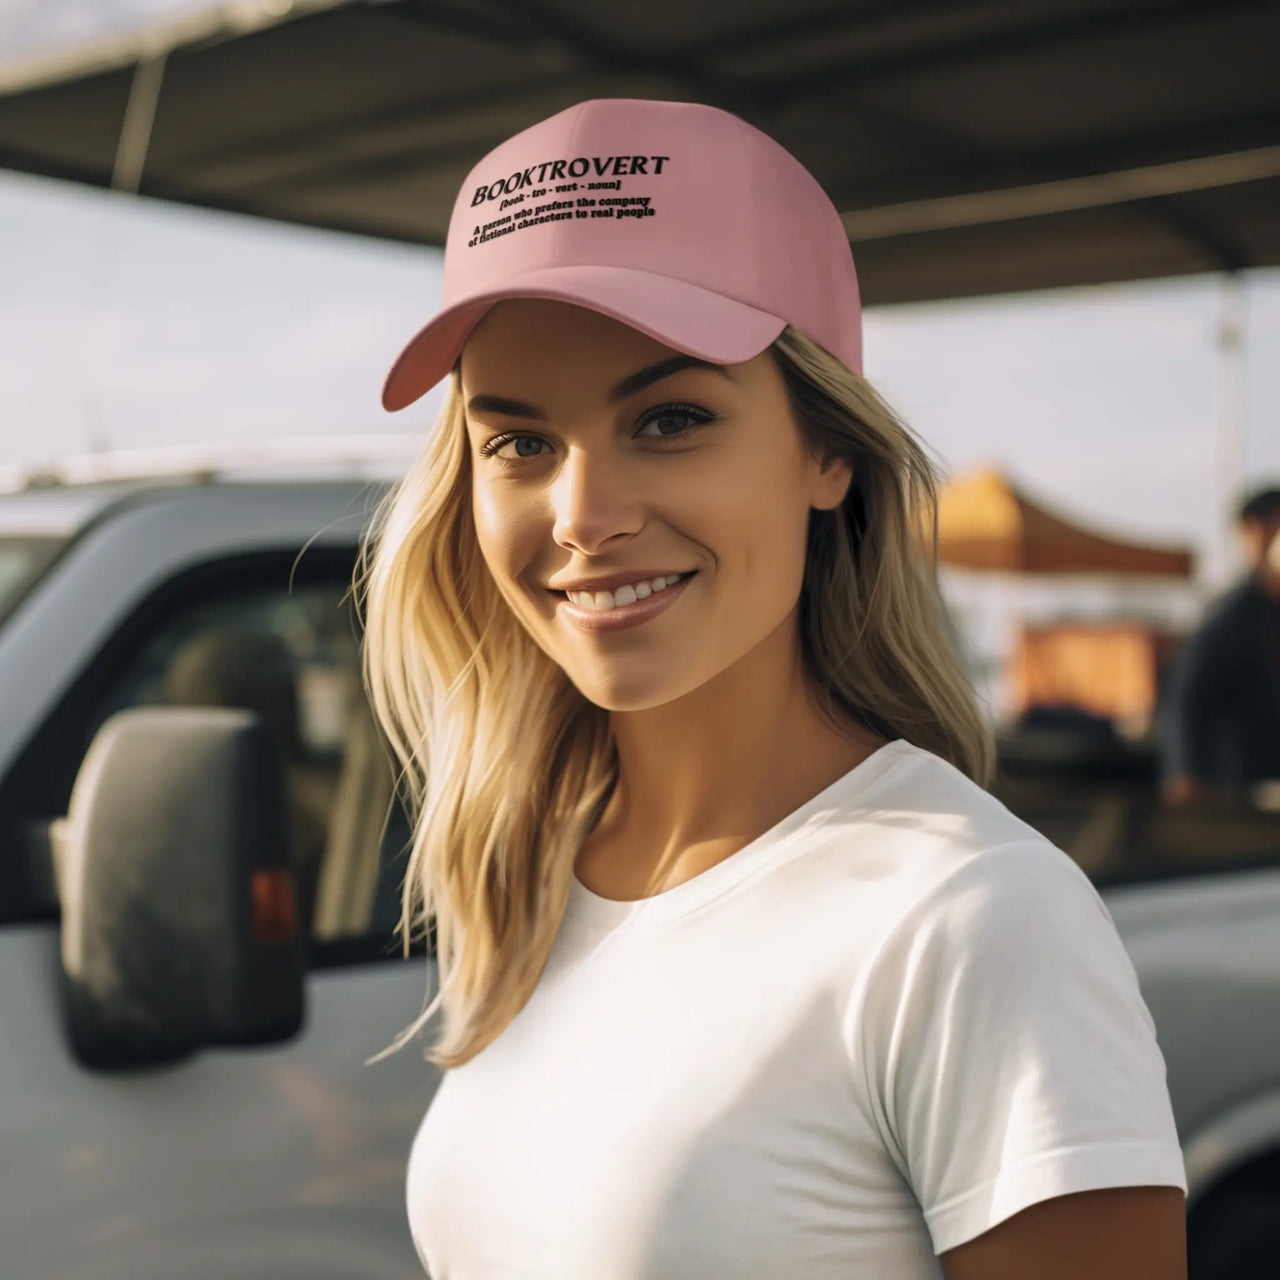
(599, 453)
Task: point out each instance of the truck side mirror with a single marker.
(178, 923)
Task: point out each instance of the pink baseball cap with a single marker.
(676, 218)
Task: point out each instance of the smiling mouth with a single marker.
(583, 599)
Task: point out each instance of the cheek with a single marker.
(509, 537)
(756, 522)
(504, 532)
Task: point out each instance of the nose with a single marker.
(594, 502)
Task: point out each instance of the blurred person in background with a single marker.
(1221, 730)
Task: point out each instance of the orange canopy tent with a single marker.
(986, 522)
(1110, 668)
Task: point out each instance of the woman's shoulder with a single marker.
(919, 799)
(921, 836)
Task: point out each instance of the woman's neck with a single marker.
(704, 775)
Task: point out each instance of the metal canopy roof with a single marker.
(974, 146)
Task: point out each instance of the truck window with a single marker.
(289, 652)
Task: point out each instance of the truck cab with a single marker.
(239, 1162)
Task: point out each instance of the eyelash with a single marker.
(701, 416)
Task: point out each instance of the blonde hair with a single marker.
(505, 763)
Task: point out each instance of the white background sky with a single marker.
(130, 324)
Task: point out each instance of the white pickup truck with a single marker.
(183, 1093)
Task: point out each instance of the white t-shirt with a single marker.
(885, 1025)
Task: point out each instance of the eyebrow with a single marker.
(629, 385)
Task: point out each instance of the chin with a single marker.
(634, 690)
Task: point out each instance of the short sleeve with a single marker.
(1005, 1048)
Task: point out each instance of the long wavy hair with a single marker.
(505, 765)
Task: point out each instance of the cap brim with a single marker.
(678, 314)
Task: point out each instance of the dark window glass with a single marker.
(1096, 795)
(289, 652)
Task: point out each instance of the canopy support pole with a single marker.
(139, 116)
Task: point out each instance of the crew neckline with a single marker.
(590, 911)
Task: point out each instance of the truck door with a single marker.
(266, 1161)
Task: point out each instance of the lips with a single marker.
(626, 594)
(621, 617)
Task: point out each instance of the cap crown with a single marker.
(682, 190)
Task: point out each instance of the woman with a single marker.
(743, 973)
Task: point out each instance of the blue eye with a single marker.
(491, 447)
(675, 412)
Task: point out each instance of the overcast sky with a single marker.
(129, 323)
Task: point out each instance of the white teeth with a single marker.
(602, 601)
